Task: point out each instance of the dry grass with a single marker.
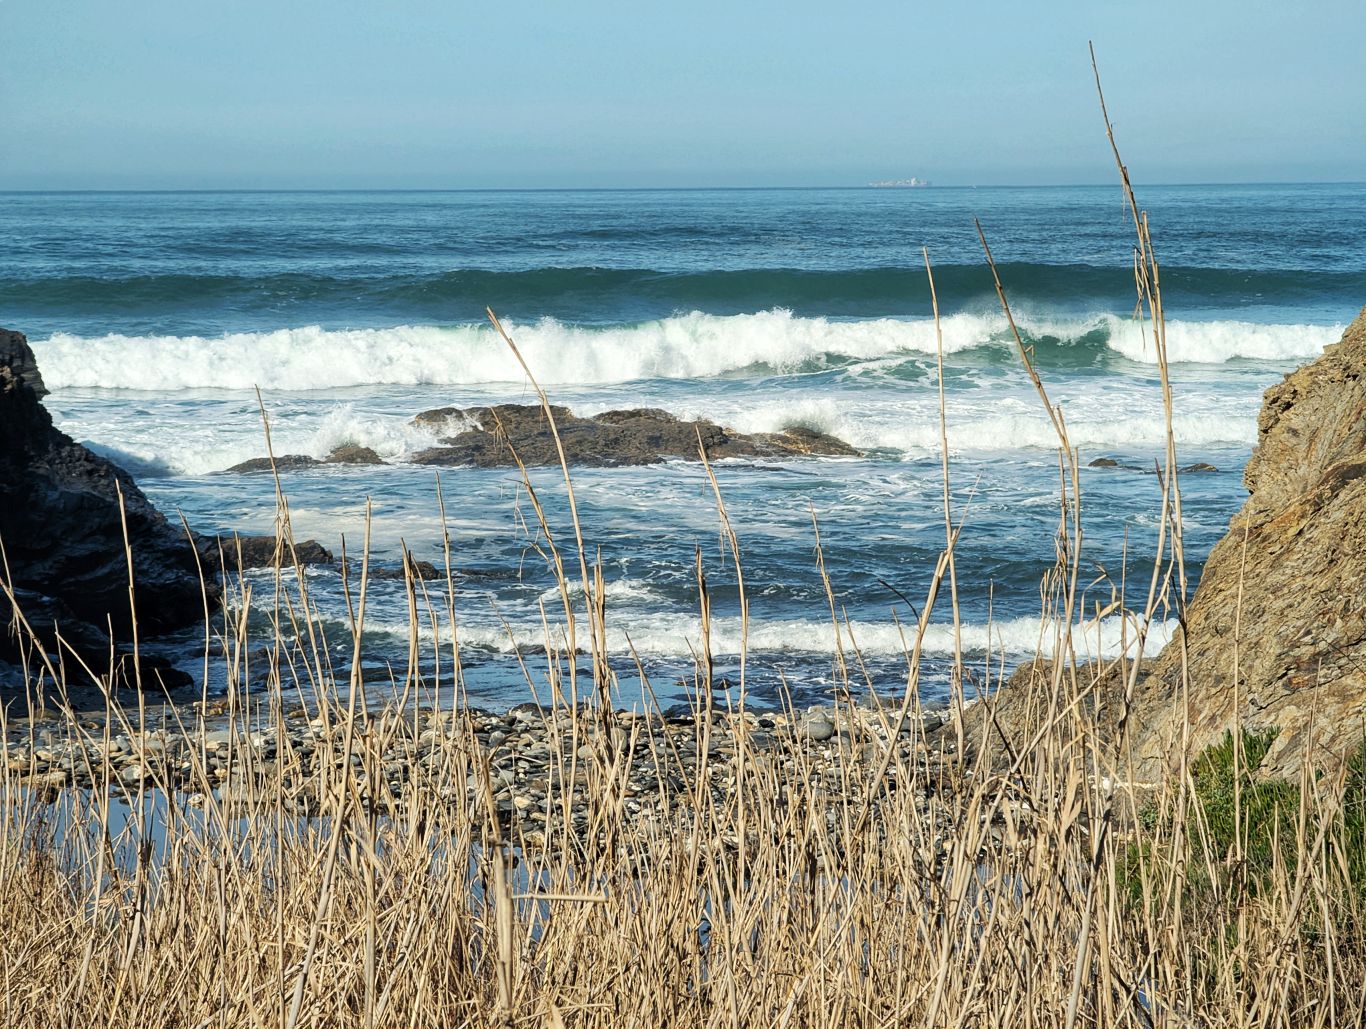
(912, 886)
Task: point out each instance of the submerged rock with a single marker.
(1110, 462)
(63, 531)
(488, 436)
(417, 570)
(1283, 596)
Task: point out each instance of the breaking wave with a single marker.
(688, 346)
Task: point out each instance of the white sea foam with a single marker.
(1215, 342)
(1002, 420)
(672, 636)
(167, 441)
(622, 591)
(685, 346)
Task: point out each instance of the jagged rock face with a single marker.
(1283, 596)
(62, 530)
(636, 436)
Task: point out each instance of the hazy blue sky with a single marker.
(303, 93)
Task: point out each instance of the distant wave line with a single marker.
(597, 292)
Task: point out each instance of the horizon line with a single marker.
(654, 189)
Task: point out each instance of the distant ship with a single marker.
(911, 183)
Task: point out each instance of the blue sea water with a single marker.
(155, 317)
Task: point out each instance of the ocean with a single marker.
(157, 316)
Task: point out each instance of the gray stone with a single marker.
(818, 728)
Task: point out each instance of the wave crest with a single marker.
(688, 346)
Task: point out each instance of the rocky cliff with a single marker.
(63, 533)
(1276, 631)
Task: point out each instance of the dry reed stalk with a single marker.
(597, 643)
(880, 881)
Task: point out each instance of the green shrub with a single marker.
(1241, 826)
(1243, 814)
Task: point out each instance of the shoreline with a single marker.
(527, 766)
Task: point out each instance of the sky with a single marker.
(298, 94)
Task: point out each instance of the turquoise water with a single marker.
(155, 316)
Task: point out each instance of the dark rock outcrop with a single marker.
(487, 436)
(1276, 632)
(347, 453)
(418, 571)
(283, 463)
(266, 551)
(63, 533)
(352, 453)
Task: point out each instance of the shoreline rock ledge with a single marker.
(1283, 595)
(63, 534)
